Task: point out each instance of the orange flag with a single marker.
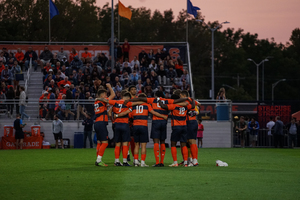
(124, 12)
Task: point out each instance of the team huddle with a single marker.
(130, 122)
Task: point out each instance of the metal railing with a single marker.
(28, 76)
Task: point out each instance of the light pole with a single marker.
(213, 56)
(263, 79)
(257, 75)
(273, 86)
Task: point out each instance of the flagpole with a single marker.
(49, 24)
(112, 49)
(187, 23)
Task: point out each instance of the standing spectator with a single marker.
(253, 126)
(185, 77)
(125, 49)
(51, 105)
(6, 76)
(45, 56)
(22, 103)
(200, 132)
(73, 54)
(10, 95)
(179, 67)
(292, 129)
(61, 54)
(88, 129)
(19, 134)
(161, 75)
(135, 62)
(278, 132)
(221, 94)
(57, 130)
(16, 69)
(86, 56)
(241, 127)
(116, 43)
(20, 56)
(270, 125)
(30, 54)
(143, 54)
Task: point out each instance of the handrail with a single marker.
(28, 75)
(98, 43)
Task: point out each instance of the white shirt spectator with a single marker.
(129, 65)
(133, 62)
(270, 125)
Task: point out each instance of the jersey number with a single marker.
(162, 102)
(139, 109)
(181, 111)
(120, 105)
(96, 107)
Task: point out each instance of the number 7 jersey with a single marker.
(119, 107)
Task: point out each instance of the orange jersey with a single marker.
(119, 107)
(156, 107)
(100, 109)
(72, 55)
(140, 114)
(178, 117)
(189, 118)
(19, 56)
(85, 55)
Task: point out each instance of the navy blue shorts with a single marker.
(101, 131)
(140, 134)
(122, 132)
(19, 135)
(192, 128)
(179, 133)
(159, 129)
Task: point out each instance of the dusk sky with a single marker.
(267, 18)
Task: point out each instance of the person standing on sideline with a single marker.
(253, 126)
(278, 132)
(88, 129)
(57, 130)
(292, 131)
(19, 134)
(200, 132)
(241, 126)
(270, 125)
(22, 103)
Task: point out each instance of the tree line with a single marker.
(84, 21)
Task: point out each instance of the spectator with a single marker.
(20, 56)
(107, 67)
(19, 134)
(57, 130)
(116, 43)
(54, 60)
(144, 76)
(179, 67)
(125, 49)
(88, 129)
(158, 56)
(143, 54)
(86, 56)
(16, 69)
(169, 65)
(241, 127)
(102, 60)
(80, 76)
(88, 81)
(17, 99)
(30, 54)
(153, 65)
(166, 61)
(64, 82)
(253, 126)
(185, 86)
(45, 56)
(2, 66)
(154, 80)
(118, 85)
(61, 110)
(270, 125)
(47, 68)
(119, 53)
(292, 129)
(6, 76)
(185, 77)
(80, 98)
(172, 74)
(134, 77)
(221, 94)
(164, 54)
(148, 88)
(125, 78)
(162, 74)
(22, 103)
(10, 95)
(151, 55)
(5, 53)
(61, 54)
(73, 54)
(10, 62)
(144, 65)
(51, 105)
(64, 62)
(278, 132)
(89, 104)
(2, 57)
(76, 63)
(134, 62)
(139, 86)
(113, 76)
(69, 98)
(126, 68)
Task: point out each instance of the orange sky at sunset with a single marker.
(268, 18)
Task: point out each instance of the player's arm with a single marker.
(183, 104)
(192, 102)
(158, 115)
(143, 99)
(112, 92)
(163, 106)
(102, 99)
(137, 103)
(123, 113)
(176, 101)
(109, 113)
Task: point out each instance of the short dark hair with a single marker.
(130, 87)
(101, 91)
(177, 92)
(185, 93)
(175, 96)
(278, 117)
(142, 95)
(159, 94)
(126, 94)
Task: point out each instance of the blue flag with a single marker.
(192, 9)
(53, 9)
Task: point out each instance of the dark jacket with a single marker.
(278, 128)
(88, 124)
(46, 55)
(32, 54)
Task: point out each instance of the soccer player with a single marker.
(122, 130)
(179, 130)
(101, 122)
(132, 91)
(140, 129)
(192, 128)
(159, 125)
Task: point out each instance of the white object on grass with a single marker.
(220, 163)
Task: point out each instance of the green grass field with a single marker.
(71, 174)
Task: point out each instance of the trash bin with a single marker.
(222, 112)
(35, 130)
(78, 140)
(9, 131)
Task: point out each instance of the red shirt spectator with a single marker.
(19, 55)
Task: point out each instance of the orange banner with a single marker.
(28, 143)
(93, 49)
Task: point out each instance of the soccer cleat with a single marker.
(126, 164)
(190, 165)
(181, 163)
(195, 165)
(156, 165)
(185, 165)
(118, 164)
(136, 164)
(162, 164)
(173, 165)
(144, 165)
(128, 157)
(102, 164)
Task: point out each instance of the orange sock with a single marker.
(132, 146)
(136, 156)
(125, 152)
(156, 152)
(174, 153)
(102, 148)
(143, 157)
(117, 152)
(120, 149)
(185, 153)
(98, 148)
(194, 150)
(162, 153)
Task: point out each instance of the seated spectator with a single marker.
(6, 54)
(102, 60)
(73, 78)
(103, 76)
(30, 54)
(185, 77)
(58, 95)
(179, 67)
(154, 80)
(172, 75)
(166, 60)
(126, 68)
(64, 62)
(10, 62)
(96, 59)
(45, 56)
(64, 82)
(87, 72)
(125, 78)
(2, 66)
(185, 86)
(164, 54)
(174, 87)
(86, 56)
(6, 75)
(62, 89)
(162, 89)
(167, 95)
(143, 54)
(2, 57)
(151, 55)
(57, 66)
(61, 110)
(52, 85)
(80, 76)
(169, 65)
(89, 105)
(118, 95)
(139, 86)
(160, 62)
(61, 54)
(55, 60)
(144, 76)
(16, 69)
(136, 68)
(107, 66)
(153, 66)
(112, 76)
(162, 75)
(134, 62)
(88, 80)
(148, 88)
(107, 80)
(62, 75)
(57, 78)
(158, 56)
(144, 65)
(118, 85)
(20, 57)
(51, 105)
(76, 63)
(134, 77)
(73, 54)
(47, 68)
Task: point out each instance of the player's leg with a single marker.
(175, 136)
(21, 144)
(17, 143)
(184, 153)
(143, 156)
(125, 140)
(163, 137)
(155, 135)
(118, 140)
(143, 139)
(192, 127)
(136, 154)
